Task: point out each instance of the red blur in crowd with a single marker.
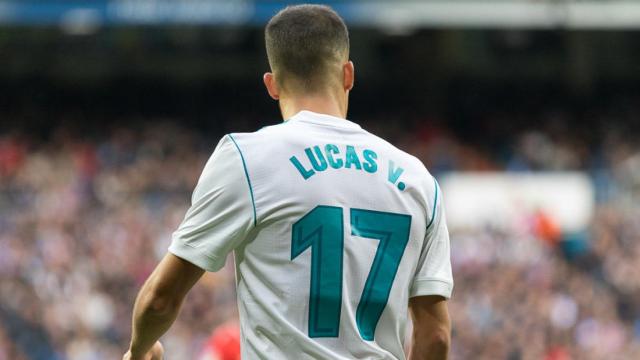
(546, 228)
(223, 344)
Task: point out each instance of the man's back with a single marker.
(335, 230)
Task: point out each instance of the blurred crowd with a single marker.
(82, 224)
(83, 221)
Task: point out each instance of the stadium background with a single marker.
(109, 109)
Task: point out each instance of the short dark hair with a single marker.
(306, 46)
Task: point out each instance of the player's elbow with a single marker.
(439, 341)
(431, 344)
(159, 303)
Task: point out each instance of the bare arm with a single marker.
(431, 328)
(158, 305)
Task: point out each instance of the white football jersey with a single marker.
(333, 230)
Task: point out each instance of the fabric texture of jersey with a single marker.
(333, 230)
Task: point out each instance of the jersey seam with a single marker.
(431, 280)
(433, 288)
(435, 202)
(246, 173)
(211, 257)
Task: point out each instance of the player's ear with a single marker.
(349, 75)
(270, 84)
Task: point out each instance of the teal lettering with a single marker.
(319, 163)
(331, 149)
(352, 158)
(370, 157)
(304, 172)
(394, 173)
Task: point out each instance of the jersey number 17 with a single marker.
(322, 230)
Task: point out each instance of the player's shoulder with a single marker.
(411, 161)
(264, 134)
(268, 140)
(420, 181)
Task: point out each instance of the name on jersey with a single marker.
(321, 158)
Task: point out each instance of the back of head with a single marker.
(307, 46)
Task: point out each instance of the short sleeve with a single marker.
(433, 274)
(221, 213)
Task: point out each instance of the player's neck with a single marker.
(289, 106)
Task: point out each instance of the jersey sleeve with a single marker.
(221, 213)
(433, 274)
